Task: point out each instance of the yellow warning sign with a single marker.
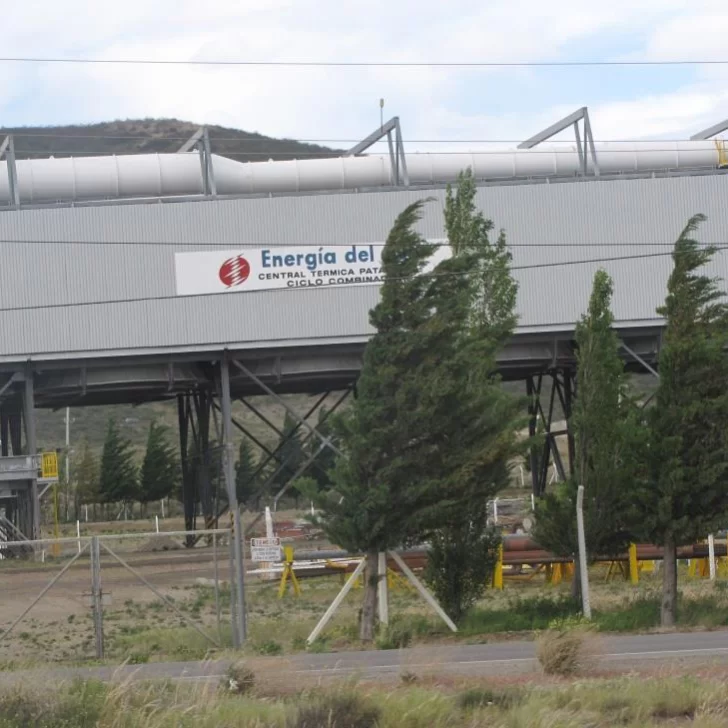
(49, 465)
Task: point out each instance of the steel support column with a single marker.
(228, 469)
(32, 447)
(188, 491)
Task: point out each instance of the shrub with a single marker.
(460, 564)
(562, 651)
(338, 710)
(239, 679)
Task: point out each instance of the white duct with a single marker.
(164, 175)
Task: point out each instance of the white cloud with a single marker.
(342, 103)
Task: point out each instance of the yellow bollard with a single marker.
(288, 573)
(498, 571)
(634, 569)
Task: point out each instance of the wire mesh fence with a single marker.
(131, 596)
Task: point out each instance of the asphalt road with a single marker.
(497, 658)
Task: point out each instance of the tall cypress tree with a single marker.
(118, 480)
(419, 438)
(687, 497)
(462, 548)
(160, 469)
(610, 441)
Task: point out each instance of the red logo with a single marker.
(234, 271)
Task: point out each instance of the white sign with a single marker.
(265, 549)
(304, 266)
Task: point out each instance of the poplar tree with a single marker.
(86, 475)
(609, 439)
(687, 498)
(160, 470)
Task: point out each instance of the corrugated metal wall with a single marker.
(580, 220)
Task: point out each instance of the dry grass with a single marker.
(646, 702)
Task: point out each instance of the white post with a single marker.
(422, 590)
(533, 502)
(523, 482)
(382, 594)
(582, 552)
(78, 535)
(156, 523)
(162, 503)
(86, 507)
(337, 602)
(495, 511)
(711, 556)
(268, 574)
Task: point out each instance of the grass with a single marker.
(644, 703)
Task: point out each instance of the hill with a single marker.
(148, 136)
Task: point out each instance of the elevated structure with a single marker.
(94, 308)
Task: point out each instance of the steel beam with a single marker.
(396, 149)
(639, 359)
(7, 149)
(711, 131)
(583, 146)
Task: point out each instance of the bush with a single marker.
(239, 679)
(460, 564)
(339, 710)
(562, 651)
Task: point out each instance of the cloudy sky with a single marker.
(445, 104)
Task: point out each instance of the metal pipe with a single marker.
(167, 175)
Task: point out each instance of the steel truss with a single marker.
(202, 455)
(543, 455)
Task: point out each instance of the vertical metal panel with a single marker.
(554, 229)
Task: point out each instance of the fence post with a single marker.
(96, 597)
(634, 571)
(711, 556)
(78, 534)
(582, 552)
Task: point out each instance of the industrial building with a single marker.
(143, 277)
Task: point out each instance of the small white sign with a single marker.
(265, 549)
(302, 266)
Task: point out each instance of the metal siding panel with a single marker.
(591, 215)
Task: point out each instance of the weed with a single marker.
(239, 679)
(338, 710)
(484, 697)
(408, 678)
(270, 648)
(395, 637)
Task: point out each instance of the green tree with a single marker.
(160, 470)
(463, 550)
(86, 475)
(118, 480)
(418, 437)
(686, 497)
(609, 439)
(246, 485)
